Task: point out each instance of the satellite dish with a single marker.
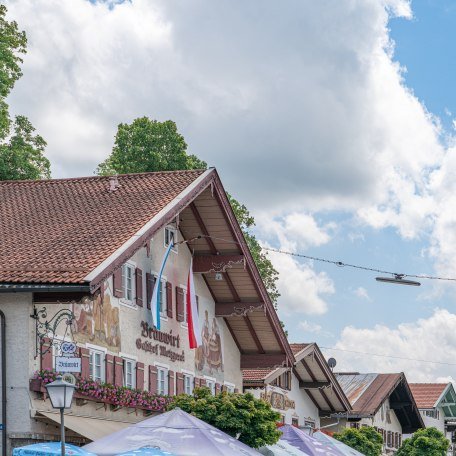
(332, 363)
(69, 378)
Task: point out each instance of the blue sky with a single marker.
(310, 121)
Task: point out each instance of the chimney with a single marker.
(113, 184)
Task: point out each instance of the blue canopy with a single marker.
(147, 451)
(49, 449)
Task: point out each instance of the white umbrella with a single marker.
(345, 449)
(281, 448)
(177, 432)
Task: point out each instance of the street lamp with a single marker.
(61, 395)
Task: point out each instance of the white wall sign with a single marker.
(67, 364)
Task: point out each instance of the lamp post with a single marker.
(61, 395)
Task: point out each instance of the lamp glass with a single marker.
(60, 393)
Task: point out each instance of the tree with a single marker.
(365, 440)
(242, 416)
(21, 152)
(425, 442)
(148, 145)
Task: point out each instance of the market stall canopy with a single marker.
(50, 449)
(306, 443)
(147, 451)
(175, 431)
(281, 448)
(345, 449)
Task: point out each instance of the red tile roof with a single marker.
(256, 374)
(296, 348)
(427, 394)
(57, 231)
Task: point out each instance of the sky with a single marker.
(333, 121)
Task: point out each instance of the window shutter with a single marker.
(224, 388)
(46, 358)
(109, 362)
(217, 388)
(117, 283)
(139, 287)
(170, 383)
(197, 304)
(140, 376)
(180, 312)
(118, 371)
(84, 353)
(152, 379)
(149, 288)
(179, 383)
(196, 382)
(169, 299)
(236, 390)
(202, 382)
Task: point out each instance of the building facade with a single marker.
(81, 260)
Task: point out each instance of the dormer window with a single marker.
(171, 237)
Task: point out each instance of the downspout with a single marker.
(3, 368)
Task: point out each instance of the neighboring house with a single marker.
(92, 248)
(302, 393)
(383, 401)
(437, 405)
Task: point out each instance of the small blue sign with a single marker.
(1, 427)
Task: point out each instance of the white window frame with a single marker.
(128, 359)
(191, 376)
(164, 295)
(165, 372)
(93, 350)
(212, 381)
(129, 302)
(230, 387)
(175, 236)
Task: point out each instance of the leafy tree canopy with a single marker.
(148, 145)
(21, 151)
(425, 442)
(365, 440)
(242, 416)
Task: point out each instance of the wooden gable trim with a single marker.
(160, 220)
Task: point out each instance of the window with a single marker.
(129, 373)
(432, 413)
(128, 282)
(170, 236)
(96, 365)
(163, 297)
(283, 381)
(162, 381)
(229, 387)
(188, 384)
(295, 422)
(211, 385)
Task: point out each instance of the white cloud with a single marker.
(310, 327)
(362, 293)
(431, 339)
(302, 289)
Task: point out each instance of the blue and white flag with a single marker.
(155, 301)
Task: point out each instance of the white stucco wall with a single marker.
(304, 409)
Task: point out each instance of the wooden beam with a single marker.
(313, 385)
(259, 361)
(236, 309)
(230, 329)
(254, 334)
(204, 264)
(231, 287)
(398, 405)
(203, 228)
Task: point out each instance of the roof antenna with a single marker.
(113, 183)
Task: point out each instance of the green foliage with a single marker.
(21, 151)
(425, 442)
(365, 440)
(251, 420)
(148, 145)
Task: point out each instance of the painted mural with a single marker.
(97, 322)
(209, 356)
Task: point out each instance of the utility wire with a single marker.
(389, 356)
(340, 264)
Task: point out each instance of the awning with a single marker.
(91, 428)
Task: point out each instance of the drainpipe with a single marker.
(3, 369)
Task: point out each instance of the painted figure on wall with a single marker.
(210, 351)
(97, 321)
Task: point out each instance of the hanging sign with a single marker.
(68, 348)
(67, 364)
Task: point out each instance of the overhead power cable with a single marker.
(403, 358)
